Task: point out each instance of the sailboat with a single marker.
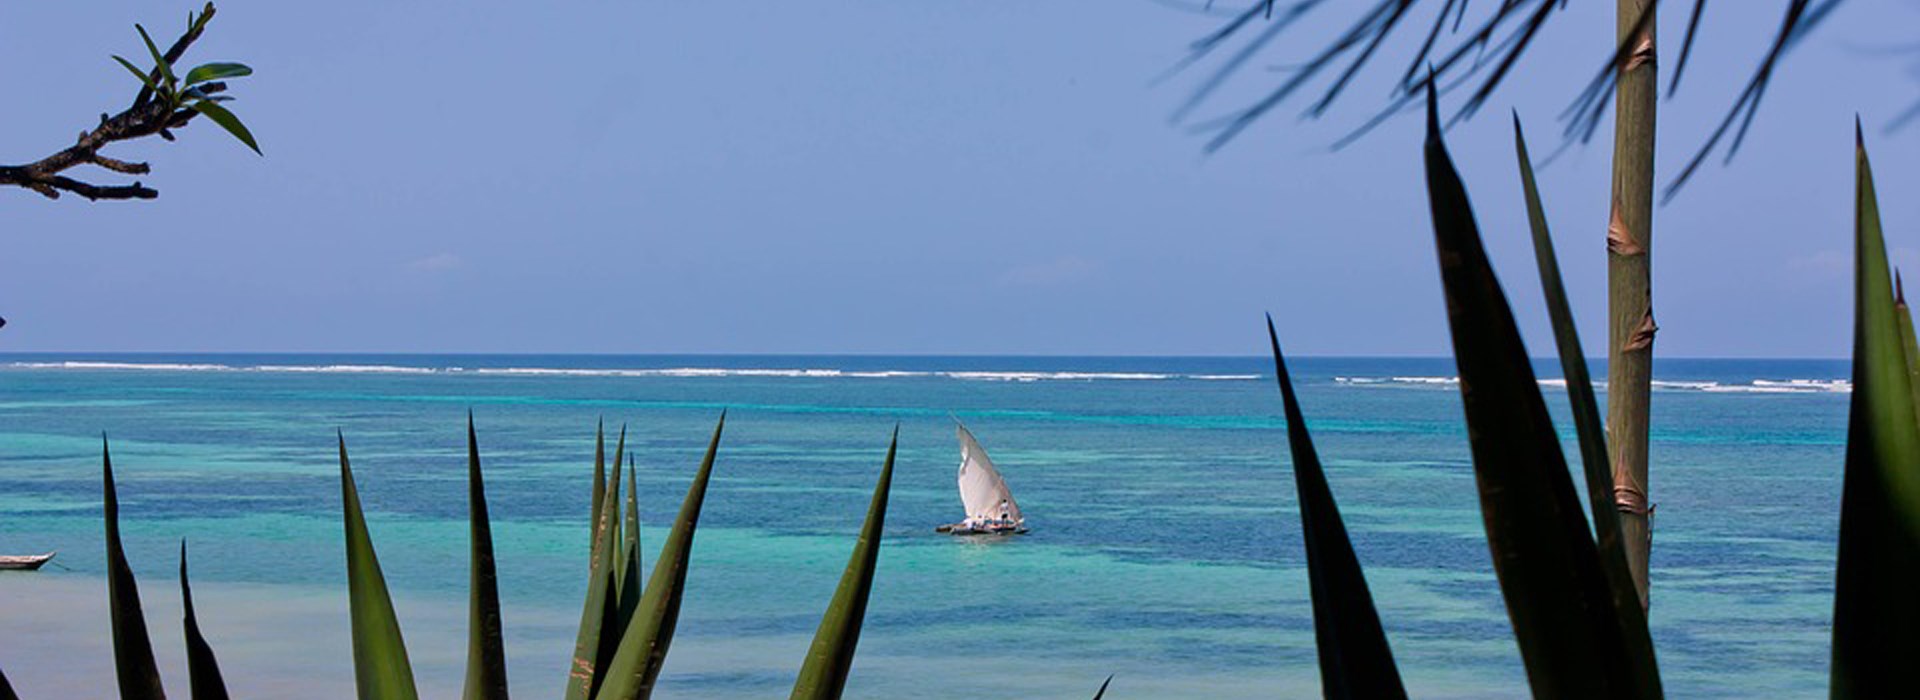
(991, 509)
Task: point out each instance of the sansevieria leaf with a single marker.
(1557, 596)
(133, 663)
(1355, 659)
(380, 667)
(643, 646)
(1876, 610)
(1627, 603)
(203, 670)
(824, 674)
(486, 653)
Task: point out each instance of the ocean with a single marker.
(1165, 545)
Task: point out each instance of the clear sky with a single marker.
(885, 176)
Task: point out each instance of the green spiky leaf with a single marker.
(138, 675)
(824, 674)
(1549, 569)
(630, 568)
(159, 60)
(1102, 692)
(6, 689)
(227, 121)
(1876, 615)
(599, 487)
(217, 71)
(608, 631)
(588, 667)
(1610, 542)
(1355, 659)
(203, 670)
(643, 646)
(486, 653)
(1908, 342)
(380, 666)
(137, 73)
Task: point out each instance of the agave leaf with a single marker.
(599, 485)
(1904, 317)
(824, 674)
(1627, 602)
(380, 667)
(1355, 659)
(486, 653)
(133, 661)
(630, 577)
(203, 670)
(1557, 596)
(1876, 616)
(643, 646)
(608, 633)
(623, 541)
(583, 677)
(1102, 692)
(6, 689)
(217, 71)
(227, 121)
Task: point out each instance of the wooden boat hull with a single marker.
(24, 563)
(962, 531)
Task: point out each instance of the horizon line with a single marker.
(416, 353)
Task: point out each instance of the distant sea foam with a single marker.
(1757, 386)
(688, 372)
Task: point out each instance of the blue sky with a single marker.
(884, 177)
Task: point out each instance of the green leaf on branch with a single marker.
(159, 59)
(217, 71)
(227, 121)
(138, 74)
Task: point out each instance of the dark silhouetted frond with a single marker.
(1478, 54)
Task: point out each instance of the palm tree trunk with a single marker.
(1630, 283)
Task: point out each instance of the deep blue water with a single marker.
(1165, 542)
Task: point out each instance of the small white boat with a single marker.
(991, 509)
(25, 562)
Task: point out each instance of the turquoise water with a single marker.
(1165, 542)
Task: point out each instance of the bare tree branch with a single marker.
(145, 118)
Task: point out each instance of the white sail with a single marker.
(982, 490)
